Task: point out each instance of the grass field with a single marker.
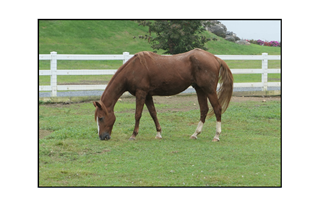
(249, 153)
(116, 37)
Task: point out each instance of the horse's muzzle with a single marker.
(105, 136)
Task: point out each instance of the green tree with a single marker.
(176, 36)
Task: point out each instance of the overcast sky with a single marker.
(266, 30)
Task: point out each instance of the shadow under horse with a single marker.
(148, 74)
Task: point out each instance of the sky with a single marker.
(266, 30)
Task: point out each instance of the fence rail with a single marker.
(54, 57)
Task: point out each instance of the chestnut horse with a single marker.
(147, 74)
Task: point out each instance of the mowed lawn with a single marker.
(248, 154)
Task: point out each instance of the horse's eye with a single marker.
(100, 118)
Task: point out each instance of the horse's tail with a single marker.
(226, 85)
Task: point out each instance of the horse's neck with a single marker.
(112, 93)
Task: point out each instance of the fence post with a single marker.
(264, 72)
(53, 68)
(126, 57)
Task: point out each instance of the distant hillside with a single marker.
(116, 37)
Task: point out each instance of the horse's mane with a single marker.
(140, 56)
(122, 67)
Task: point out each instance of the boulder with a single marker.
(230, 38)
(218, 29)
(243, 42)
(221, 30)
(230, 33)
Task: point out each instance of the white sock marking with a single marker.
(199, 129)
(218, 131)
(98, 124)
(158, 135)
(218, 127)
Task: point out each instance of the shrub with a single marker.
(275, 43)
(267, 43)
(260, 42)
(252, 41)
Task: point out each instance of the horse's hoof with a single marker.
(193, 137)
(157, 137)
(132, 138)
(215, 140)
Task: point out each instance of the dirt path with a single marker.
(43, 133)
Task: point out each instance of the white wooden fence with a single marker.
(54, 57)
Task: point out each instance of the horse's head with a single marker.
(104, 120)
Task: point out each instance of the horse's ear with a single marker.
(97, 104)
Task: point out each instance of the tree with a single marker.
(176, 36)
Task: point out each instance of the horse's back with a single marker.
(169, 75)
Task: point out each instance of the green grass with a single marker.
(247, 155)
(90, 36)
(116, 37)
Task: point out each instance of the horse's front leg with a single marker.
(140, 100)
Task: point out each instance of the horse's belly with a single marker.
(168, 88)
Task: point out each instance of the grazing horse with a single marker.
(147, 74)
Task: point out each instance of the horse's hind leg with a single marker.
(153, 113)
(213, 98)
(203, 103)
(140, 100)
